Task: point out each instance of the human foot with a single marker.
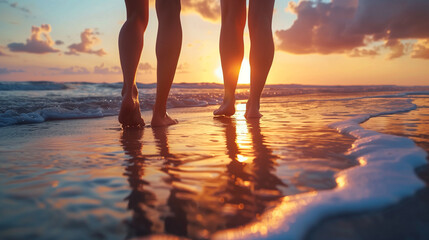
(252, 110)
(129, 115)
(227, 108)
(162, 120)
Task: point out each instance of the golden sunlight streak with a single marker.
(244, 76)
(241, 158)
(244, 141)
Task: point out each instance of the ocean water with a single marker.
(35, 102)
(308, 158)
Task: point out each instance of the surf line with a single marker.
(384, 177)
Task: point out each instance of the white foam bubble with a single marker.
(11, 117)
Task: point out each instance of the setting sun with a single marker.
(244, 76)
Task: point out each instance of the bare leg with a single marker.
(168, 46)
(261, 51)
(231, 48)
(130, 47)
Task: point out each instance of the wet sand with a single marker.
(89, 179)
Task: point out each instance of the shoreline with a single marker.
(220, 141)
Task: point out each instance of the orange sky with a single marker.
(327, 43)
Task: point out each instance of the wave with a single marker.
(32, 86)
(385, 176)
(49, 85)
(11, 117)
(34, 102)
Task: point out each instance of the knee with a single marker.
(235, 21)
(139, 18)
(168, 10)
(260, 25)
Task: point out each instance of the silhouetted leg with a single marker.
(168, 46)
(231, 48)
(261, 51)
(130, 47)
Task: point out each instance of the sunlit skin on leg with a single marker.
(168, 46)
(261, 52)
(231, 48)
(130, 47)
(232, 51)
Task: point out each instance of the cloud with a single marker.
(24, 9)
(397, 49)
(341, 26)
(15, 5)
(183, 68)
(106, 70)
(88, 38)
(59, 42)
(208, 9)
(146, 67)
(421, 49)
(40, 41)
(3, 54)
(357, 52)
(392, 19)
(320, 27)
(70, 70)
(8, 71)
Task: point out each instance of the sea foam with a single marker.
(384, 177)
(35, 102)
(11, 117)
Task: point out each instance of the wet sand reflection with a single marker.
(252, 184)
(238, 195)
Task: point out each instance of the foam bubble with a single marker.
(31, 86)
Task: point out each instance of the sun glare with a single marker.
(244, 76)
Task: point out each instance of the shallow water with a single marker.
(409, 217)
(413, 124)
(35, 102)
(89, 179)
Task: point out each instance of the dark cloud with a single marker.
(59, 42)
(146, 67)
(342, 26)
(88, 39)
(208, 9)
(392, 19)
(24, 9)
(107, 70)
(70, 70)
(421, 49)
(8, 71)
(320, 27)
(16, 6)
(39, 42)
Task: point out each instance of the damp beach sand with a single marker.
(220, 177)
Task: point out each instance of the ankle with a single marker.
(159, 111)
(130, 91)
(253, 103)
(254, 100)
(229, 99)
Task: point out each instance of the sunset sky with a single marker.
(338, 42)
